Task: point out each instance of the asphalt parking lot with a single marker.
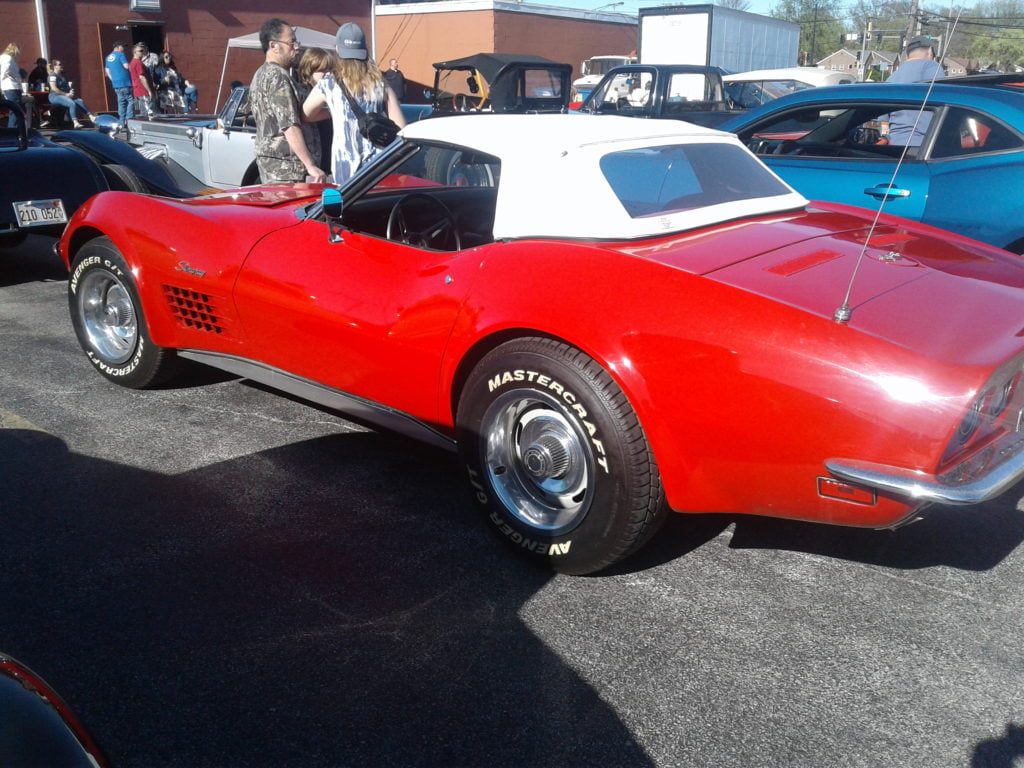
(214, 575)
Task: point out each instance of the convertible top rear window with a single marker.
(656, 180)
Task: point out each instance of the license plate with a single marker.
(36, 213)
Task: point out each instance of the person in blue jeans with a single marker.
(115, 67)
(10, 79)
(191, 97)
(61, 94)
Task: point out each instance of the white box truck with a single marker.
(593, 69)
(712, 35)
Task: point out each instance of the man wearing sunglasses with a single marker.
(282, 154)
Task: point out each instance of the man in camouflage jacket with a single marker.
(281, 151)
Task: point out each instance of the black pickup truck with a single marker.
(674, 91)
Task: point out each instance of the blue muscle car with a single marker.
(966, 174)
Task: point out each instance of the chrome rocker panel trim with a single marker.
(981, 477)
(361, 408)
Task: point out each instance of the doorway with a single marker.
(151, 33)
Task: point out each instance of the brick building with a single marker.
(418, 34)
(80, 32)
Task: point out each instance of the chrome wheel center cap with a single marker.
(548, 457)
(119, 312)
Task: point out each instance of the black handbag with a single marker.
(380, 130)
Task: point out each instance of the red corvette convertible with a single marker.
(608, 319)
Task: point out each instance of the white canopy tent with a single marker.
(308, 38)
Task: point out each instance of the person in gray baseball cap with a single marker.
(919, 64)
(351, 42)
(356, 73)
(907, 127)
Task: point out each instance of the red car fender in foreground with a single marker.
(39, 728)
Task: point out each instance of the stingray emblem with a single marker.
(184, 266)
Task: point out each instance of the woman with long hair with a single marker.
(357, 73)
(315, 64)
(10, 78)
(169, 83)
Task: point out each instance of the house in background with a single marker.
(959, 67)
(841, 61)
(880, 62)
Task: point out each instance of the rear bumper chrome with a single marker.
(983, 476)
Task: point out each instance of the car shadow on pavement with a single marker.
(1001, 752)
(680, 535)
(973, 538)
(331, 602)
(969, 538)
(30, 262)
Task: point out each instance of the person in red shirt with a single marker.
(142, 88)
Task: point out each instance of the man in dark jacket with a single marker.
(393, 77)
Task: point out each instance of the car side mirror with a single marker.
(107, 124)
(331, 202)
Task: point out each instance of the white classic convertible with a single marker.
(218, 150)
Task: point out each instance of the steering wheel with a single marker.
(434, 235)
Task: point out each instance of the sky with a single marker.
(631, 6)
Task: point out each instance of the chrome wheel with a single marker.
(538, 461)
(556, 457)
(108, 316)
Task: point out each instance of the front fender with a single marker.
(105, 149)
(177, 248)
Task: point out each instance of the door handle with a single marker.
(886, 191)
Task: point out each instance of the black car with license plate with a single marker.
(47, 178)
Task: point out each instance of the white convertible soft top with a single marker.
(552, 185)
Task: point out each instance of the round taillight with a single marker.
(1001, 397)
(971, 421)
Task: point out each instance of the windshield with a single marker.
(754, 93)
(604, 66)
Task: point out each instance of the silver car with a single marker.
(218, 150)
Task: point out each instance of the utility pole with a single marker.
(914, 23)
(864, 37)
(814, 32)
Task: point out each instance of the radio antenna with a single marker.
(843, 312)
